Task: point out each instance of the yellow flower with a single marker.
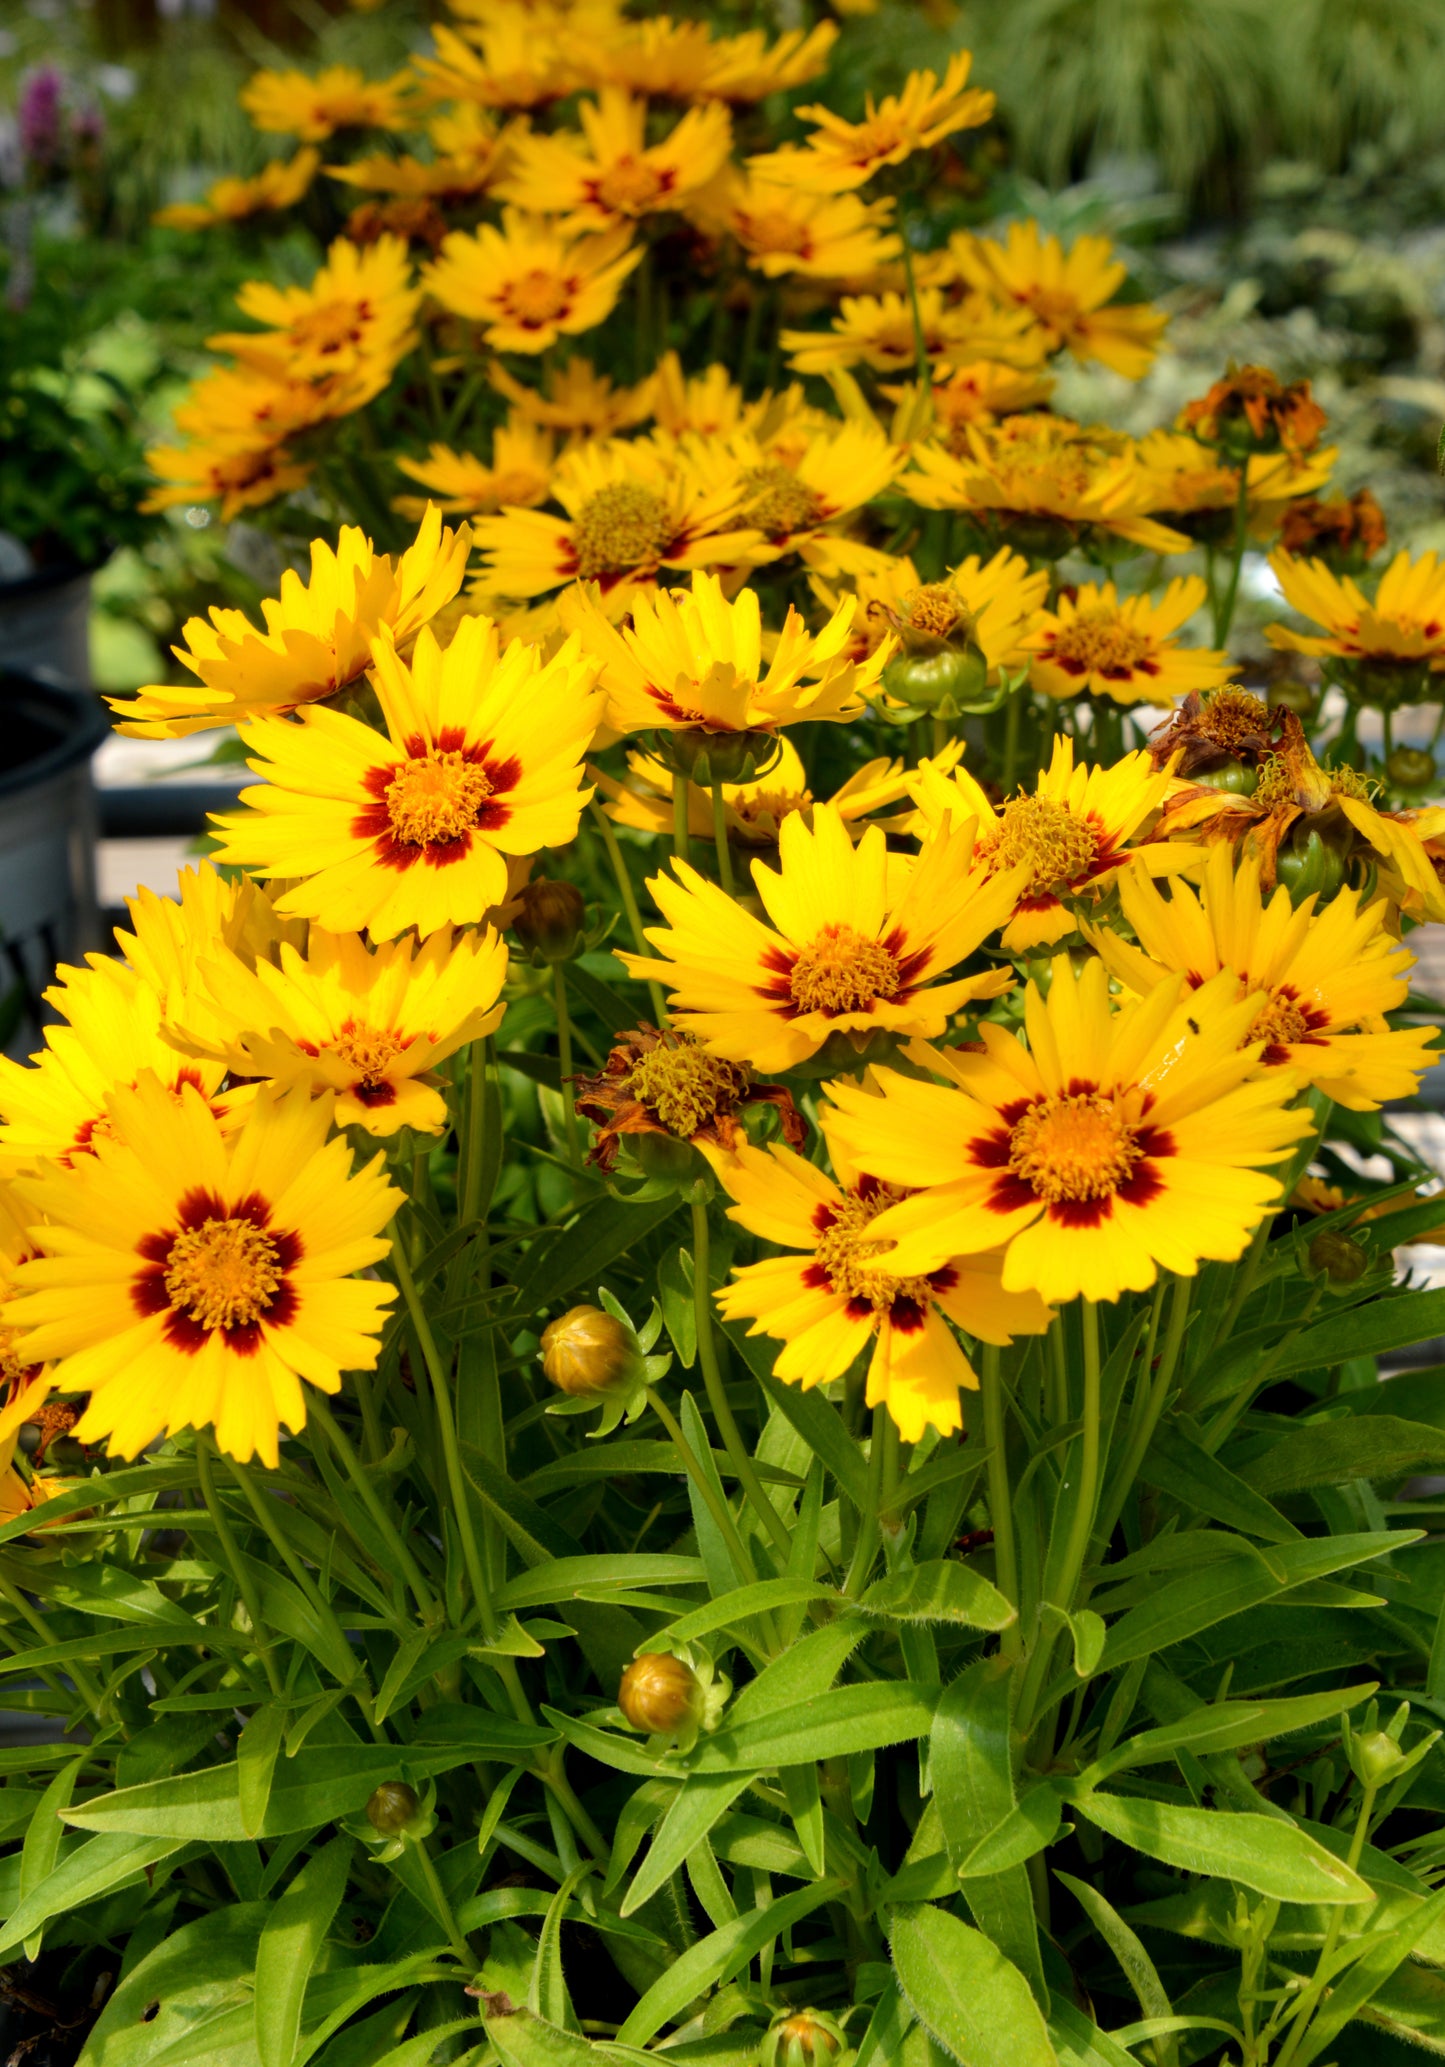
(610, 176)
(247, 407)
(519, 475)
(991, 603)
(356, 316)
(782, 229)
(318, 635)
(1126, 651)
(1403, 629)
(752, 811)
(481, 759)
(470, 155)
(836, 1297)
(682, 60)
(529, 283)
(840, 154)
(799, 505)
(979, 393)
(1068, 837)
(877, 330)
(1327, 976)
(1115, 1145)
(709, 404)
(1038, 480)
(367, 1024)
(294, 104)
(851, 951)
(575, 398)
(631, 509)
(1065, 292)
(277, 185)
(239, 478)
(695, 660)
(188, 1280)
(506, 64)
(1199, 494)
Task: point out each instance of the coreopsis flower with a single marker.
(1388, 649)
(368, 1024)
(576, 399)
(519, 474)
(357, 316)
(170, 937)
(318, 635)
(1068, 293)
(278, 185)
(481, 759)
(631, 510)
(1060, 843)
(979, 393)
(610, 176)
(850, 952)
(839, 155)
(24, 1384)
(709, 404)
(1345, 531)
(188, 1280)
(528, 282)
(506, 63)
(470, 154)
(248, 407)
(313, 108)
(1116, 1144)
(1253, 410)
(1327, 976)
(752, 810)
(799, 504)
(836, 1296)
(692, 661)
(782, 229)
(878, 330)
(237, 477)
(954, 635)
(1197, 492)
(1122, 650)
(667, 1083)
(746, 67)
(683, 60)
(1041, 485)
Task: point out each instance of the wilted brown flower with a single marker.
(1253, 410)
(1212, 728)
(1345, 531)
(667, 1083)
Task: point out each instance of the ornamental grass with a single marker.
(696, 1356)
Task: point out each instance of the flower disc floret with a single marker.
(622, 526)
(225, 1273)
(841, 970)
(1077, 1147)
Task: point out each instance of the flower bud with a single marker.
(937, 681)
(1410, 767)
(661, 1694)
(707, 757)
(392, 1808)
(586, 1351)
(1376, 1757)
(1339, 1259)
(1231, 776)
(802, 2038)
(1315, 869)
(1291, 695)
(551, 919)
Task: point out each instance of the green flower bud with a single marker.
(1292, 696)
(802, 2038)
(551, 920)
(586, 1351)
(1232, 776)
(1336, 1257)
(1375, 1757)
(661, 1695)
(1410, 767)
(930, 681)
(708, 757)
(1311, 870)
(392, 1808)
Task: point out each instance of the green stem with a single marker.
(1224, 614)
(1309, 1997)
(1159, 1390)
(443, 1907)
(681, 806)
(865, 1550)
(629, 902)
(231, 1557)
(564, 1053)
(720, 838)
(921, 361)
(1012, 717)
(474, 1136)
(1081, 1525)
(1000, 1493)
(707, 1491)
(555, 1780)
(79, 1678)
(738, 1453)
(371, 1500)
(1244, 1283)
(451, 1451)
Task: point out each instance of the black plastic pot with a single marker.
(45, 624)
(48, 911)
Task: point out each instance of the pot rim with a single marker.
(84, 717)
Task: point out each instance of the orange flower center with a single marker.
(368, 1051)
(877, 138)
(771, 229)
(1053, 842)
(435, 798)
(517, 486)
(851, 1258)
(328, 328)
(1100, 645)
(1075, 1146)
(224, 1273)
(935, 608)
(781, 501)
(1053, 306)
(630, 186)
(537, 297)
(1280, 1024)
(842, 970)
(621, 527)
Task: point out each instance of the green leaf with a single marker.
(83, 1875)
(941, 1590)
(197, 1982)
(716, 1958)
(1353, 1991)
(735, 1606)
(256, 1750)
(561, 1579)
(1079, 2042)
(857, 1718)
(286, 1953)
(817, 1421)
(1331, 1453)
(42, 1841)
(1029, 1827)
(695, 1808)
(971, 1759)
(1260, 1852)
(679, 1311)
(1182, 1468)
(972, 2000)
(1370, 1330)
(563, 1258)
(548, 1995)
(523, 2039)
(1229, 1725)
(1127, 1947)
(808, 1668)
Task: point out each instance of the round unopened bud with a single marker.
(392, 1807)
(1231, 776)
(550, 919)
(29, 1438)
(1376, 1757)
(803, 2038)
(660, 1694)
(586, 1350)
(708, 757)
(929, 681)
(1342, 1261)
(1410, 767)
